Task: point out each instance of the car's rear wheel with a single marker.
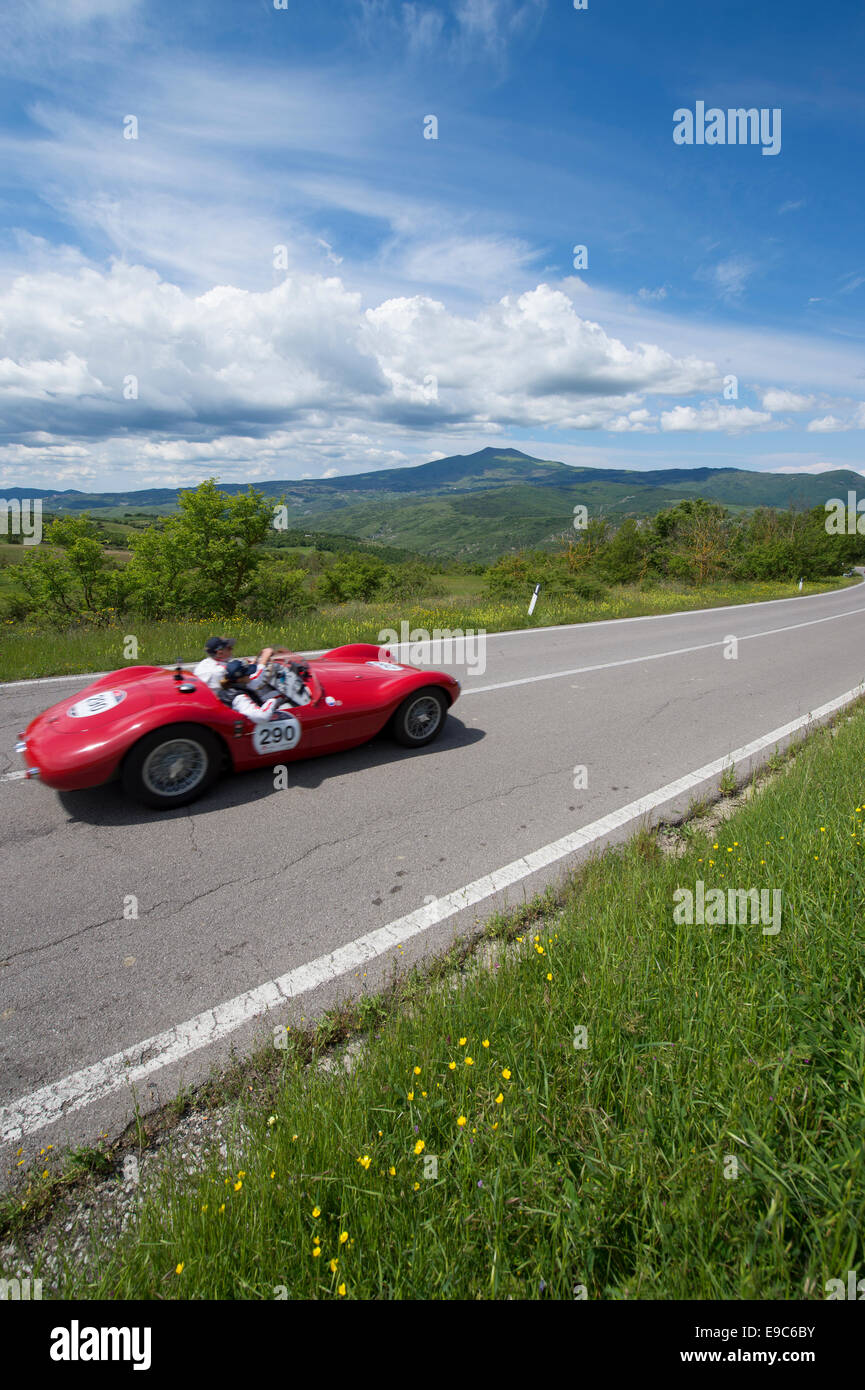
(172, 766)
(420, 718)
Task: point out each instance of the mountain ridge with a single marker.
(475, 506)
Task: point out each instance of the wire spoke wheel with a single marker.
(423, 717)
(420, 718)
(174, 768)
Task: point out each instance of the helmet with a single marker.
(236, 670)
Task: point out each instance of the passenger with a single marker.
(283, 678)
(234, 690)
(211, 670)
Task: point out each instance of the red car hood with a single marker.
(94, 725)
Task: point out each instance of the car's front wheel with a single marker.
(420, 718)
(172, 766)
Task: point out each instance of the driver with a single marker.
(235, 690)
(211, 669)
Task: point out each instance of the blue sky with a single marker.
(281, 277)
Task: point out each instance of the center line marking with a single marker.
(656, 656)
(42, 1107)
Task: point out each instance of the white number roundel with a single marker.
(99, 703)
(278, 736)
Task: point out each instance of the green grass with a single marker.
(30, 652)
(601, 1166)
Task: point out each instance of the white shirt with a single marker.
(210, 671)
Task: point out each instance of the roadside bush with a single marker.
(411, 580)
(588, 588)
(354, 577)
(508, 576)
(280, 591)
(16, 608)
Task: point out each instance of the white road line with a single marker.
(40, 1108)
(13, 776)
(655, 656)
(89, 676)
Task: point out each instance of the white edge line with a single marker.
(510, 632)
(41, 1108)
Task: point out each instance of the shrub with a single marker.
(354, 576)
(588, 588)
(279, 591)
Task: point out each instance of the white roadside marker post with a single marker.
(534, 599)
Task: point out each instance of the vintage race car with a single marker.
(167, 736)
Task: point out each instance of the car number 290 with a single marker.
(279, 735)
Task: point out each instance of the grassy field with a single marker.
(706, 1142)
(29, 652)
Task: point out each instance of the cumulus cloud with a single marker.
(828, 424)
(775, 400)
(636, 421)
(729, 419)
(234, 375)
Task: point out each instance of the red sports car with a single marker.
(168, 736)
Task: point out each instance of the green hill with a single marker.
(475, 506)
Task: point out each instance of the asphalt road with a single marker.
(252, 884)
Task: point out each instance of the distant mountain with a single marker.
(478, 505)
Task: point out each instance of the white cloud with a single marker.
(730, 419)
(474, 263)
(635, 422)
(775, 400)
(231, 376)
(827, 424)
(463, 32)
(730, 276)
(659, 293)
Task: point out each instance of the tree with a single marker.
(584, 552)
(203, 560)
(75, 585)
(84, 553)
